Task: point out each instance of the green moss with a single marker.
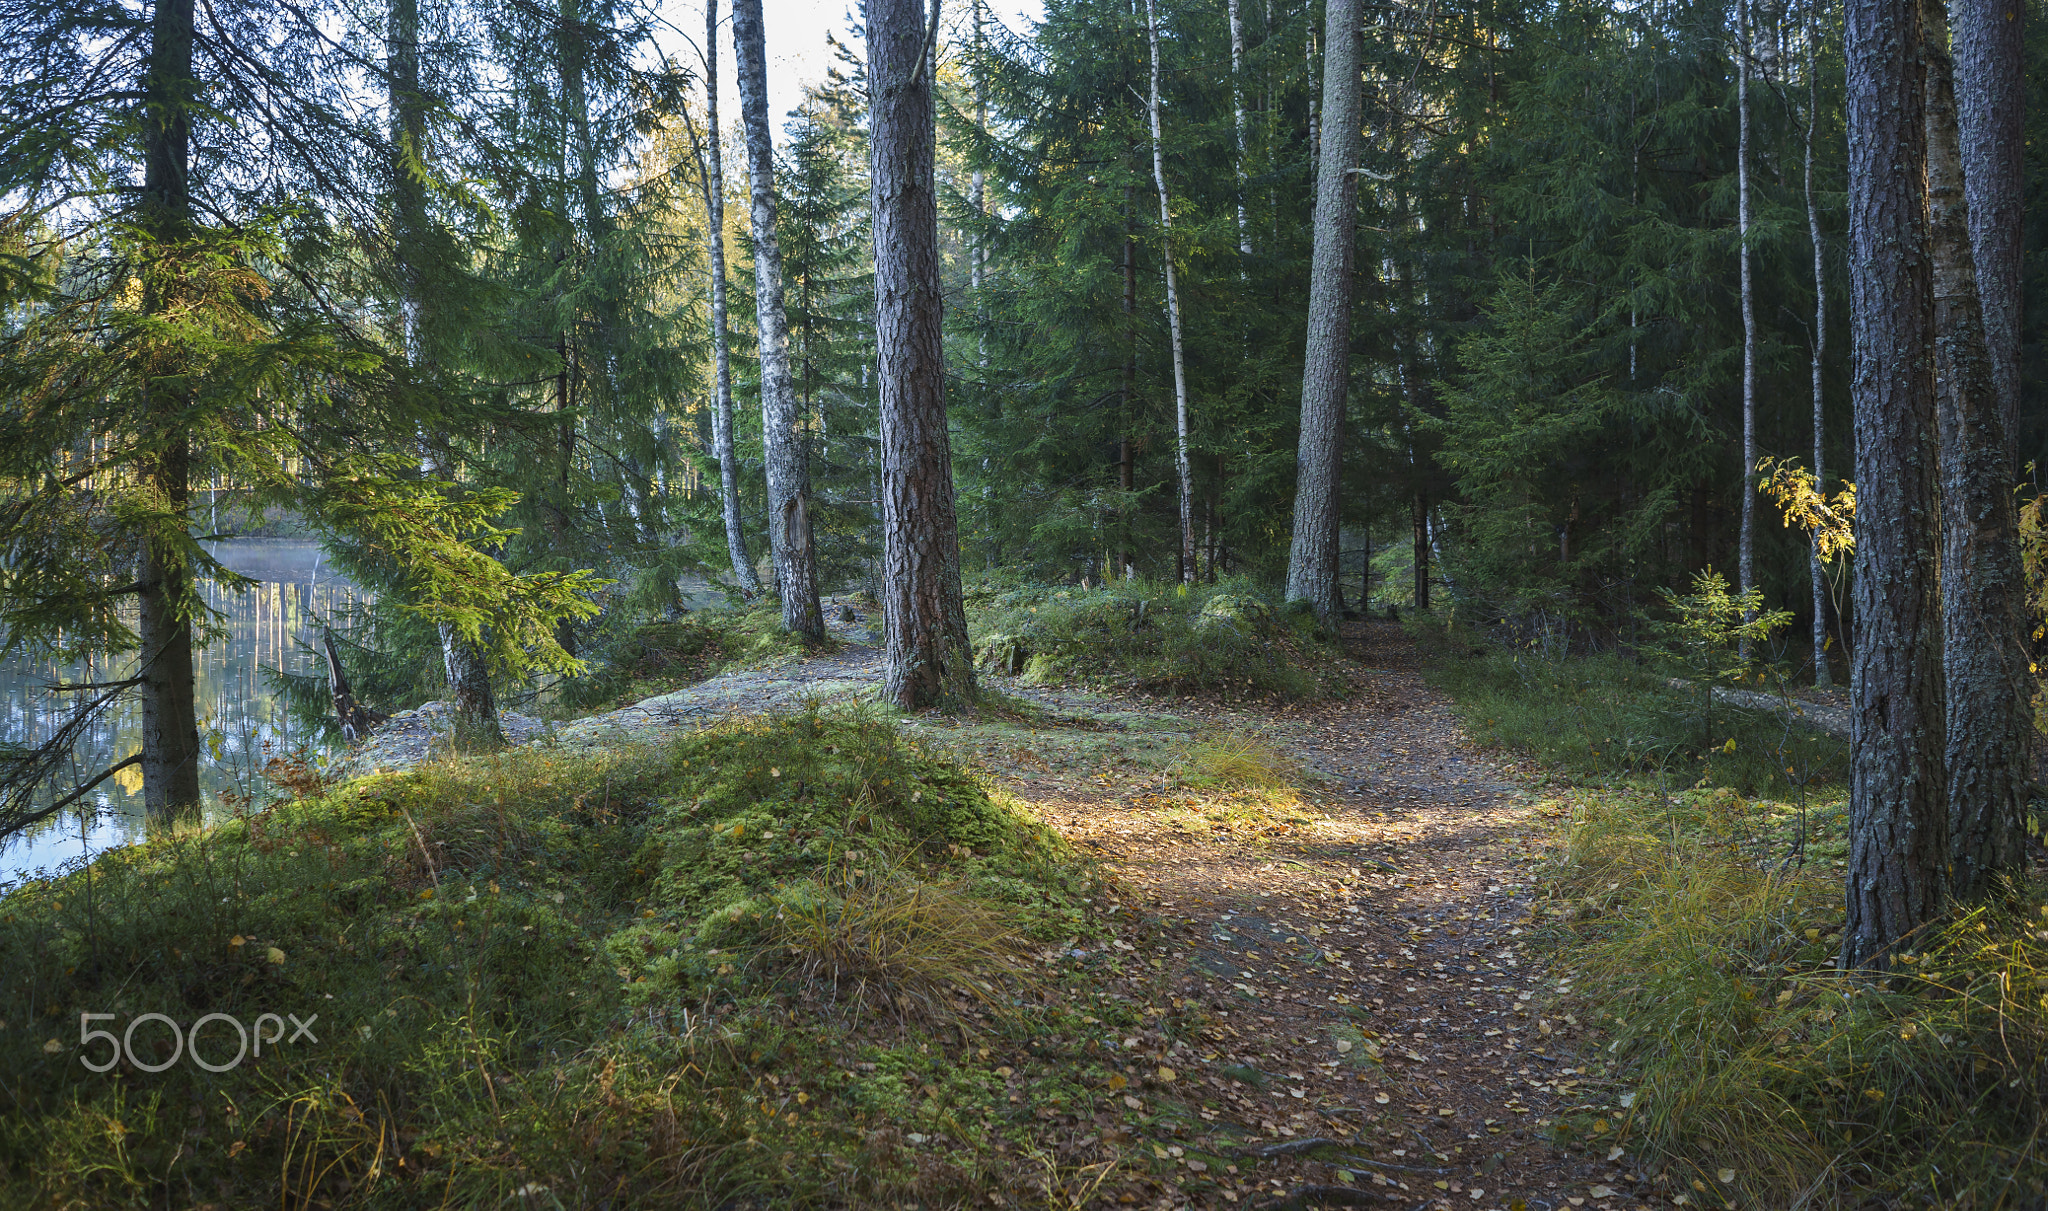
(528, 971)
(1232, 640)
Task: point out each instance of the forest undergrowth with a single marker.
(1692, 915)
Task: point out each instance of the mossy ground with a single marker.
(789, 960)
(1233, 641)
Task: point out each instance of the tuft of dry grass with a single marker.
(884, 936)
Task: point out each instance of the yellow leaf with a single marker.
(1117, 1081)
(52, 1047)
(1727, 1176)
(276, 955)
(1166, 1074)
(237, 940)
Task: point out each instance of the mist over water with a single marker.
(242, 722)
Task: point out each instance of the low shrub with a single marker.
(1232, 640)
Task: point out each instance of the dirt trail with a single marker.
(1366, 974)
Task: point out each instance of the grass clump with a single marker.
(1607, 715)
(648, 977)
(1754, 1070)
(1232, 640)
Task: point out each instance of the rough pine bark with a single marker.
(1991, 90)
(782, 439)
(1983, 588)
(165, 600)
(711, 171)
(1898, 806)
(1182, 471)
(1312, 558)
(930, 662)
(1821, 675)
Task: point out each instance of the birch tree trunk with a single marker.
(1983, 589)
(1182, 471)
(930, 662)
(1312, 558)
(1315, 128)
(472, 705)
(170, 728)
(1244, 234)
(1898, 804)
(782, 439)
(977, 197)
(1991, 95)
(711, 174)
(1746, 549)
(1821, 676)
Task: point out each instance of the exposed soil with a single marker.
(1365, 974)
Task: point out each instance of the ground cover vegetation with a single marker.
(1067, 399)
(1692, 915)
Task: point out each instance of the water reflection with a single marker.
(241, 722)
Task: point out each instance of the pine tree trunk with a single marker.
(1983, 589)
(1312, 559)
(712, 174)
(1244, 234)
(1991, 92)
(1182, 471)
(1746, 550)
(1821, 675)
(1898, 805)
(170, 728)
(789, 472)
(930, 662)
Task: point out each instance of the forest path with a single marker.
(1367, 972)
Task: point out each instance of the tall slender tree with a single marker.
(1816, 574)
(1898, 803)
(473, 705)
(1746, 541)
(170, 729)
(930, 662)
(1182, 472)
(1312, 564)
(1987, 683)
(710, 157)
(782, 426)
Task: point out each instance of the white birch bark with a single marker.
(711, 174)
(1182, 470)
(1244, 235)
(782, 439)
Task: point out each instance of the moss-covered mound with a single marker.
(1232, 640)
(529, 981)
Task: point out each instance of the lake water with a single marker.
(241, 722)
